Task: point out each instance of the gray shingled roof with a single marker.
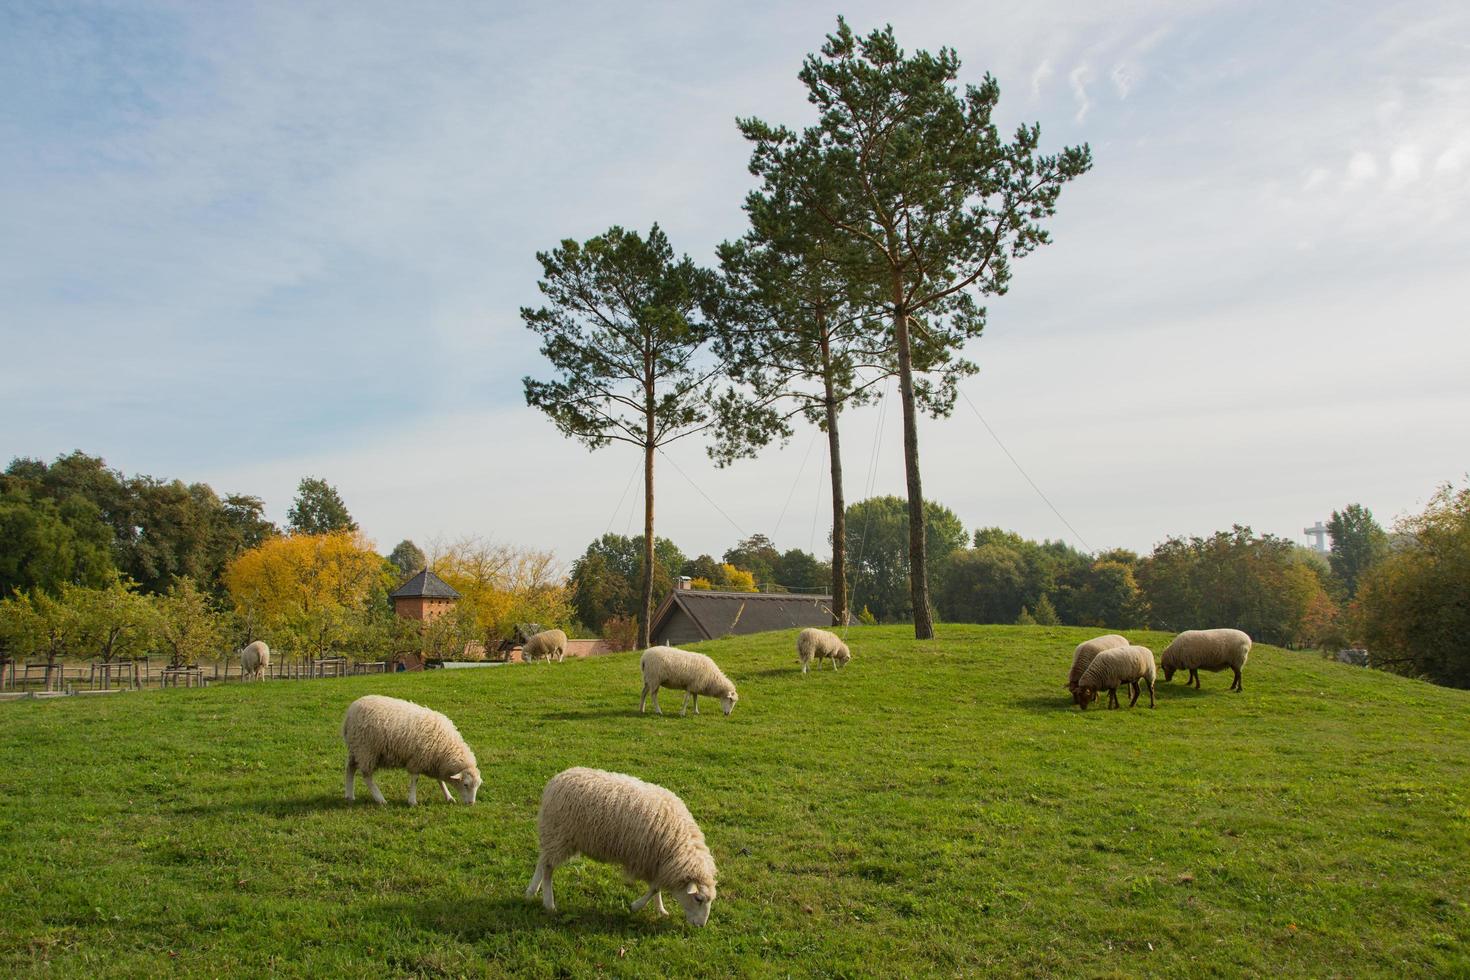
(424, 585)
(720, 614)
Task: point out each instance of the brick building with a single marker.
(424, 597)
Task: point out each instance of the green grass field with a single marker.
(934, 809)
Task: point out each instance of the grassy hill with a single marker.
(934, 808)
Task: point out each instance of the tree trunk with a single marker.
(645, 620)
(918, 564)
(839, 508)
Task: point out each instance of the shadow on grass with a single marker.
(470, 917)
(289, 808)
(1164, 689)
(1045, 702)
(582, 713)
(793, 671)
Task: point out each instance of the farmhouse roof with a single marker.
(718, 614)
(424, 585)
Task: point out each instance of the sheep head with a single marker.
(1084, 696)
(696, 899)
(727, 701)
(468, 783)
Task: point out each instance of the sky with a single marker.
(242, 244)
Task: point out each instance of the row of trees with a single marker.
(1277, 591)
(873, 232)
(111, 622)
(79, 539)
(77, 521)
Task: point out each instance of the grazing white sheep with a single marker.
(255, 660)
(643, 828)
(1131, 665)
(821, 644)
(1082, 656)
(388, 733)
(681, 670)
(551, 644)
(1197, 650)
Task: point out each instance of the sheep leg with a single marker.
(373, 788)
(1133, 687)
(348, 788)
(643, 701)
(1194, 678)
(1112, 698)
(834, 662)
(1237, 686)
(644, 899)
(548, 900)
(536, 878)
(656, 709)
(696, 704)
(413, 789)
(1150, 694)
(804, 665)
(684, 708)
(445, 787)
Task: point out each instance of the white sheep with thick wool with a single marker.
(1082, 656)
(547, 645)
(683, 670)
(255, 660)
(644, 829)
(814, 644)
(389, 733)
(1131, 665)
(1197, 650)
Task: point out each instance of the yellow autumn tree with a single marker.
(502, 584)
(308, 592)
(734, 579)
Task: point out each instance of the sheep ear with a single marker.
(693, 889)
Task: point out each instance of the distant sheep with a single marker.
(1082, 656)
(643, 828)
(551, 644)
(255, 660)
(681, 670)
(1214, 650)
(387, 733)
(820, 644)
(1131, 665)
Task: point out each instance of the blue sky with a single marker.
(245, 243)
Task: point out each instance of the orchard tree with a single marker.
(318, 509)
(624, 331)
(929, 204)
(112, 622)
(188, 629)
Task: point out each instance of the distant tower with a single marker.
(1318, 532)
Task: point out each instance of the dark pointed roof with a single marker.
(424, 585)
(718, 614)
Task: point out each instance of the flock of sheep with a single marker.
(1108, 662)
(646, 829)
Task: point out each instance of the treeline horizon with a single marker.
(77, 523)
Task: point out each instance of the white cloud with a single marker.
(1318, 177)
(1452, 160)
(1404, 166)
(1078, 78)
(1039, 77)
(1361, 168)
(1123, 79)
